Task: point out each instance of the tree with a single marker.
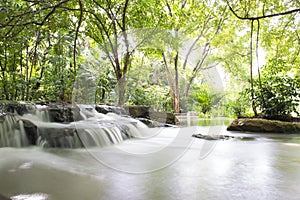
(255, 13)
(33, 30)
(278, 92)
(109, 26)
(193, 42)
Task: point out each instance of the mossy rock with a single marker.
(263, 126)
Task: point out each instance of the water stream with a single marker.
(91, 129)
(158, 163)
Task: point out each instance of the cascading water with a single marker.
(90, 129)
(99, 129)
(12, 132)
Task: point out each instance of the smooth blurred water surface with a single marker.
(267, 167)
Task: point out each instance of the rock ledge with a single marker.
(264, 126)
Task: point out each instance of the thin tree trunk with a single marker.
(251, 71)
(27, 74)
(258, 70)
(176, 92)
(4, 71)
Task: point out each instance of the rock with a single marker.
(31, 131)
(138, 111)
(17, 107)
(147, 113)
(163, 117)
(58, 138)
(63, 113)
(213, 137)
(222, 137)
(58, 112)
(104, 109)
(151, 124)
(264, 126)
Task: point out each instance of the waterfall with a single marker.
(12, 133)
(91, 129)
(105, 129)
(22, 134)
(42, 113)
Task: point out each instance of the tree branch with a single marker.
(263, 16)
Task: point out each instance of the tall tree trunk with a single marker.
(258, 70)
(171, 82)
(122, 83)
(176, 91)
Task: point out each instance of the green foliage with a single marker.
(238, 107)
(203, 99)
(278, 94)
(37, 49)
(156, 96)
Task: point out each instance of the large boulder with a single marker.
(264, 126)
(148, 113)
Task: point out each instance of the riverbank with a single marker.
(264, 125)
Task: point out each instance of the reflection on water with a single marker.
(219, 121)
(265, 168)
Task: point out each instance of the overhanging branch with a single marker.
(263, 16)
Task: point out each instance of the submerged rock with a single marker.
(222, 137)
(263, 126)
(213, 137)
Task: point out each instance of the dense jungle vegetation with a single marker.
(217, 58)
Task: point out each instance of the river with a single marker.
(169, 164)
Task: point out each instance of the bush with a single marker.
(278, 94)
(156, 96)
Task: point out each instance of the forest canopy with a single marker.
(228, 58)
